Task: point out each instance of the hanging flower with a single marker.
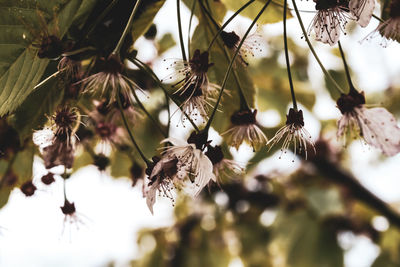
(376, 126)
(191, 157)
(48, 178)
(250, 45)
(294, 132)
(70, 68)
(71, 215)
(192, 73)
(390, 29)
(330, 20)
(28, 188)
(164, 175)
(244, 129)
(56, 143)
(362, 11)
(222, 167)
(110, 81)
(195, 103)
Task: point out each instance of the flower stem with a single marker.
(231, 64)
(117, 49)
(190, 25)
(227, 22)
(148, 70)
(287, 56)
(178, 11)
(243, 102)
(346, 67)
(158, 126)
(378, 18)
(121, 110)
(312, 49)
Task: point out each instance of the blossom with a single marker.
(250, 45)
(48, 178)
(163, 176)
(362, 11)
(190, 155)
(376, 126)
(28, 188)
(71, 216)
(244, 129)
(56, 143)
(110, 81)
(192, 73)
(330, 20)
(294, 132)
(195, 103)
(70, 68)
(222, 167)
(390, 29)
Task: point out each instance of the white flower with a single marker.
(330, 20)
(43, 138)
(110, 82)
(294, 132)
(376, 126)
(192, 73)
(195, 103)
(198, 166)
(362, 11)
(390, 29)
(250, 45)
(222, 167)
(165, 175)
(244, 129)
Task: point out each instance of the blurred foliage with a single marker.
(273, 219)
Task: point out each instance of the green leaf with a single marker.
(273, 13)
(305, 242)
(166, 42)
(43, 101)
(145, 18)
(83, 159)
(22, 165)
(20, 69)
(120, 164)
(340, 78)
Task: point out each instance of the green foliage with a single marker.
(20, 69)
(143, 21)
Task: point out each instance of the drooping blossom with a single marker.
(362, 11)
(222, 167)
(376, 126)
(110, 81)
(195, 103)
(192, 73)
(294, 133)
(330, 20)
(389, 29)
(28, 188)
(191, 84)
(244, 129)
(164, 175)
(56, 143)
(71, 216)
(250, 46)
(190, 155)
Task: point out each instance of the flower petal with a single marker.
(379, 129)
